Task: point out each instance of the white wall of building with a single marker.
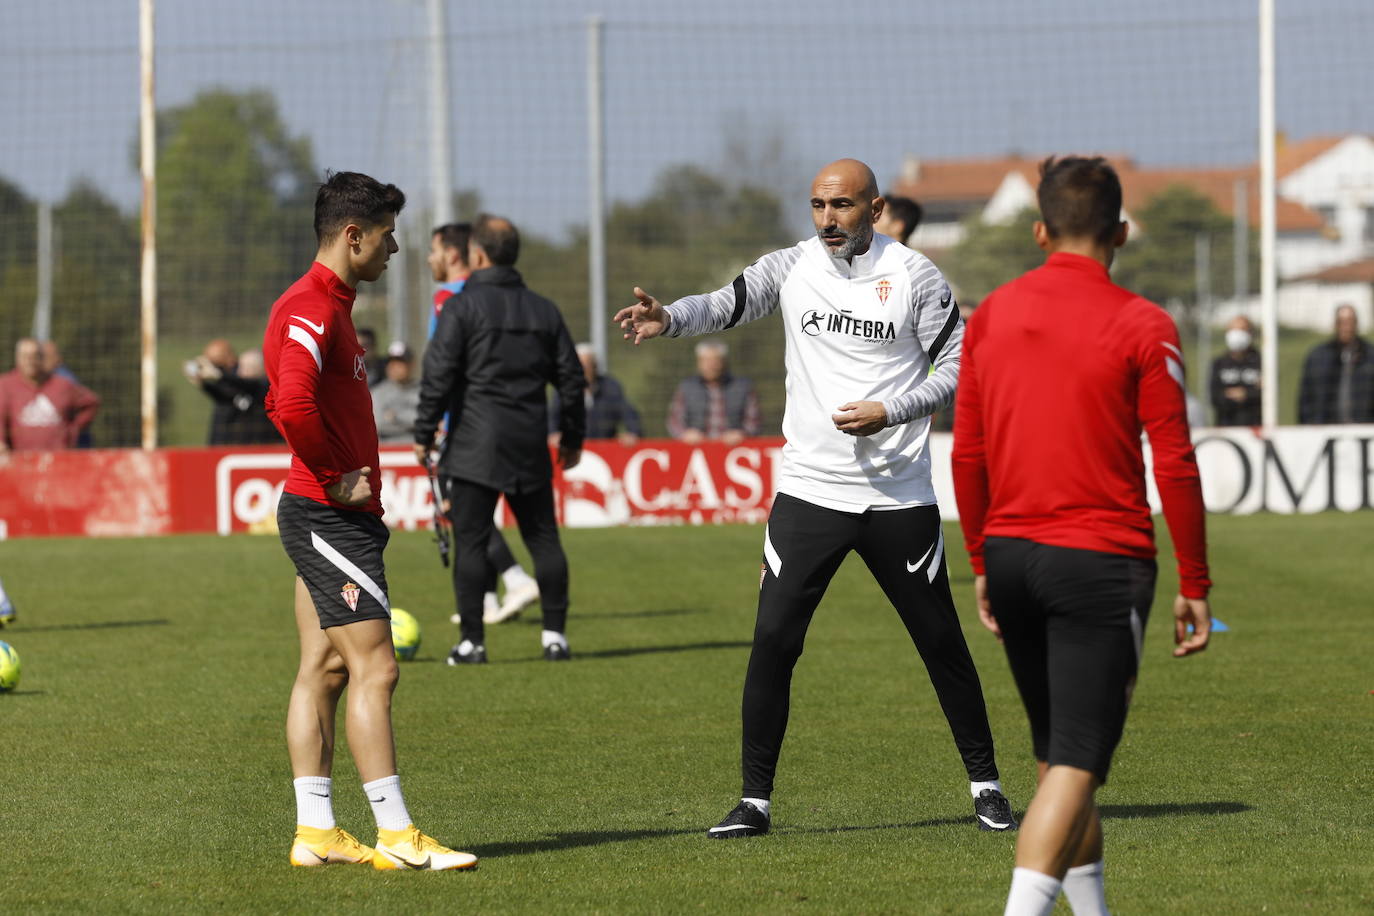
(1341, 179)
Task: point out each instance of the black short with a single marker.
(1072, 623)
(338, 554)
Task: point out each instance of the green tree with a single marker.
(991, 254)
(693, 233)
(235, 205)
(95, 316)
(1160, 263)
(18, 277)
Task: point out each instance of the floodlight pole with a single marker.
(1269, 365)
(440, 130)
(1202, 267)
(42, 308)
(1240, 247)
(596, 187)
(147, 134)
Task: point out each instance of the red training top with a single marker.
(319, 398)
(1061, 370)
(43, 417)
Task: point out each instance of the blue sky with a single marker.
(766, 90)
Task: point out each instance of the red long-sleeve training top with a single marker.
(319, 398)
(1062, 369)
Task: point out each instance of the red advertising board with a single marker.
(126, 492)
(130, 492)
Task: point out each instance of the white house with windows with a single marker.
(1324, 211)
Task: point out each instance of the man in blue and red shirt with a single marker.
(330, 518)
(1050, 481)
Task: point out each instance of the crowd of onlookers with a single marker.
(43, 406)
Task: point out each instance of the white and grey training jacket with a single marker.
(883, 328)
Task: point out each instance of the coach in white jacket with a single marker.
(873, 338)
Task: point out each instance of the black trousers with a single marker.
(499, 557)
(471, 508)
(904, 549)
(1072, 623)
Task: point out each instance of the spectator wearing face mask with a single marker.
(1236, 377)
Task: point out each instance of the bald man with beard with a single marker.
(873, 341)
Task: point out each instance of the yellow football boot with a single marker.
(409, 848)
(329, 846)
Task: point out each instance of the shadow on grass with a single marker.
(101, 625)
(644, 650)
(1171, 809)
(1108, 811)
(912, 825)
(613, 615)
(573, 839)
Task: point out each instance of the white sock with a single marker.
(1032, 894)
(315, 802)
(550, 637)
(1086, 890)
(4, 599)
(490, 602)
(762, 804)
(977, 787)
(388, 806)
(516, 577)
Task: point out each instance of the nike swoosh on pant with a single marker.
(912, 567)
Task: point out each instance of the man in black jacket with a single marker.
(238, 387)
(1338, 376)
(1236, 377)
(497, 345)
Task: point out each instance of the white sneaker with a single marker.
(517, 599)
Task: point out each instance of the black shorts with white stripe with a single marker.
(1072, 623)
(338, 554)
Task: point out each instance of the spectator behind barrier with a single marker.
(53, 363)
(238, 388)
(396, 396)
(39, 410)
(713, 404)
(1338, 376)
(1235, 385)
(610, 415)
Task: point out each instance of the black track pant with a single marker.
(1072, 622)
(472, 509)
(499, 557)
(904, 549)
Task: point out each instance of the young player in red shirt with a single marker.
(1062, 370)
(331, 526)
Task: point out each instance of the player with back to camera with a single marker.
(866, 319)
(1050, 482)
(330, 518)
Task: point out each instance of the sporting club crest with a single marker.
(884, 288)
(359, 368)
(350, 594)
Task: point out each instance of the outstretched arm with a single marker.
(752, 295)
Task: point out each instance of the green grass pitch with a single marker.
(144, 769)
